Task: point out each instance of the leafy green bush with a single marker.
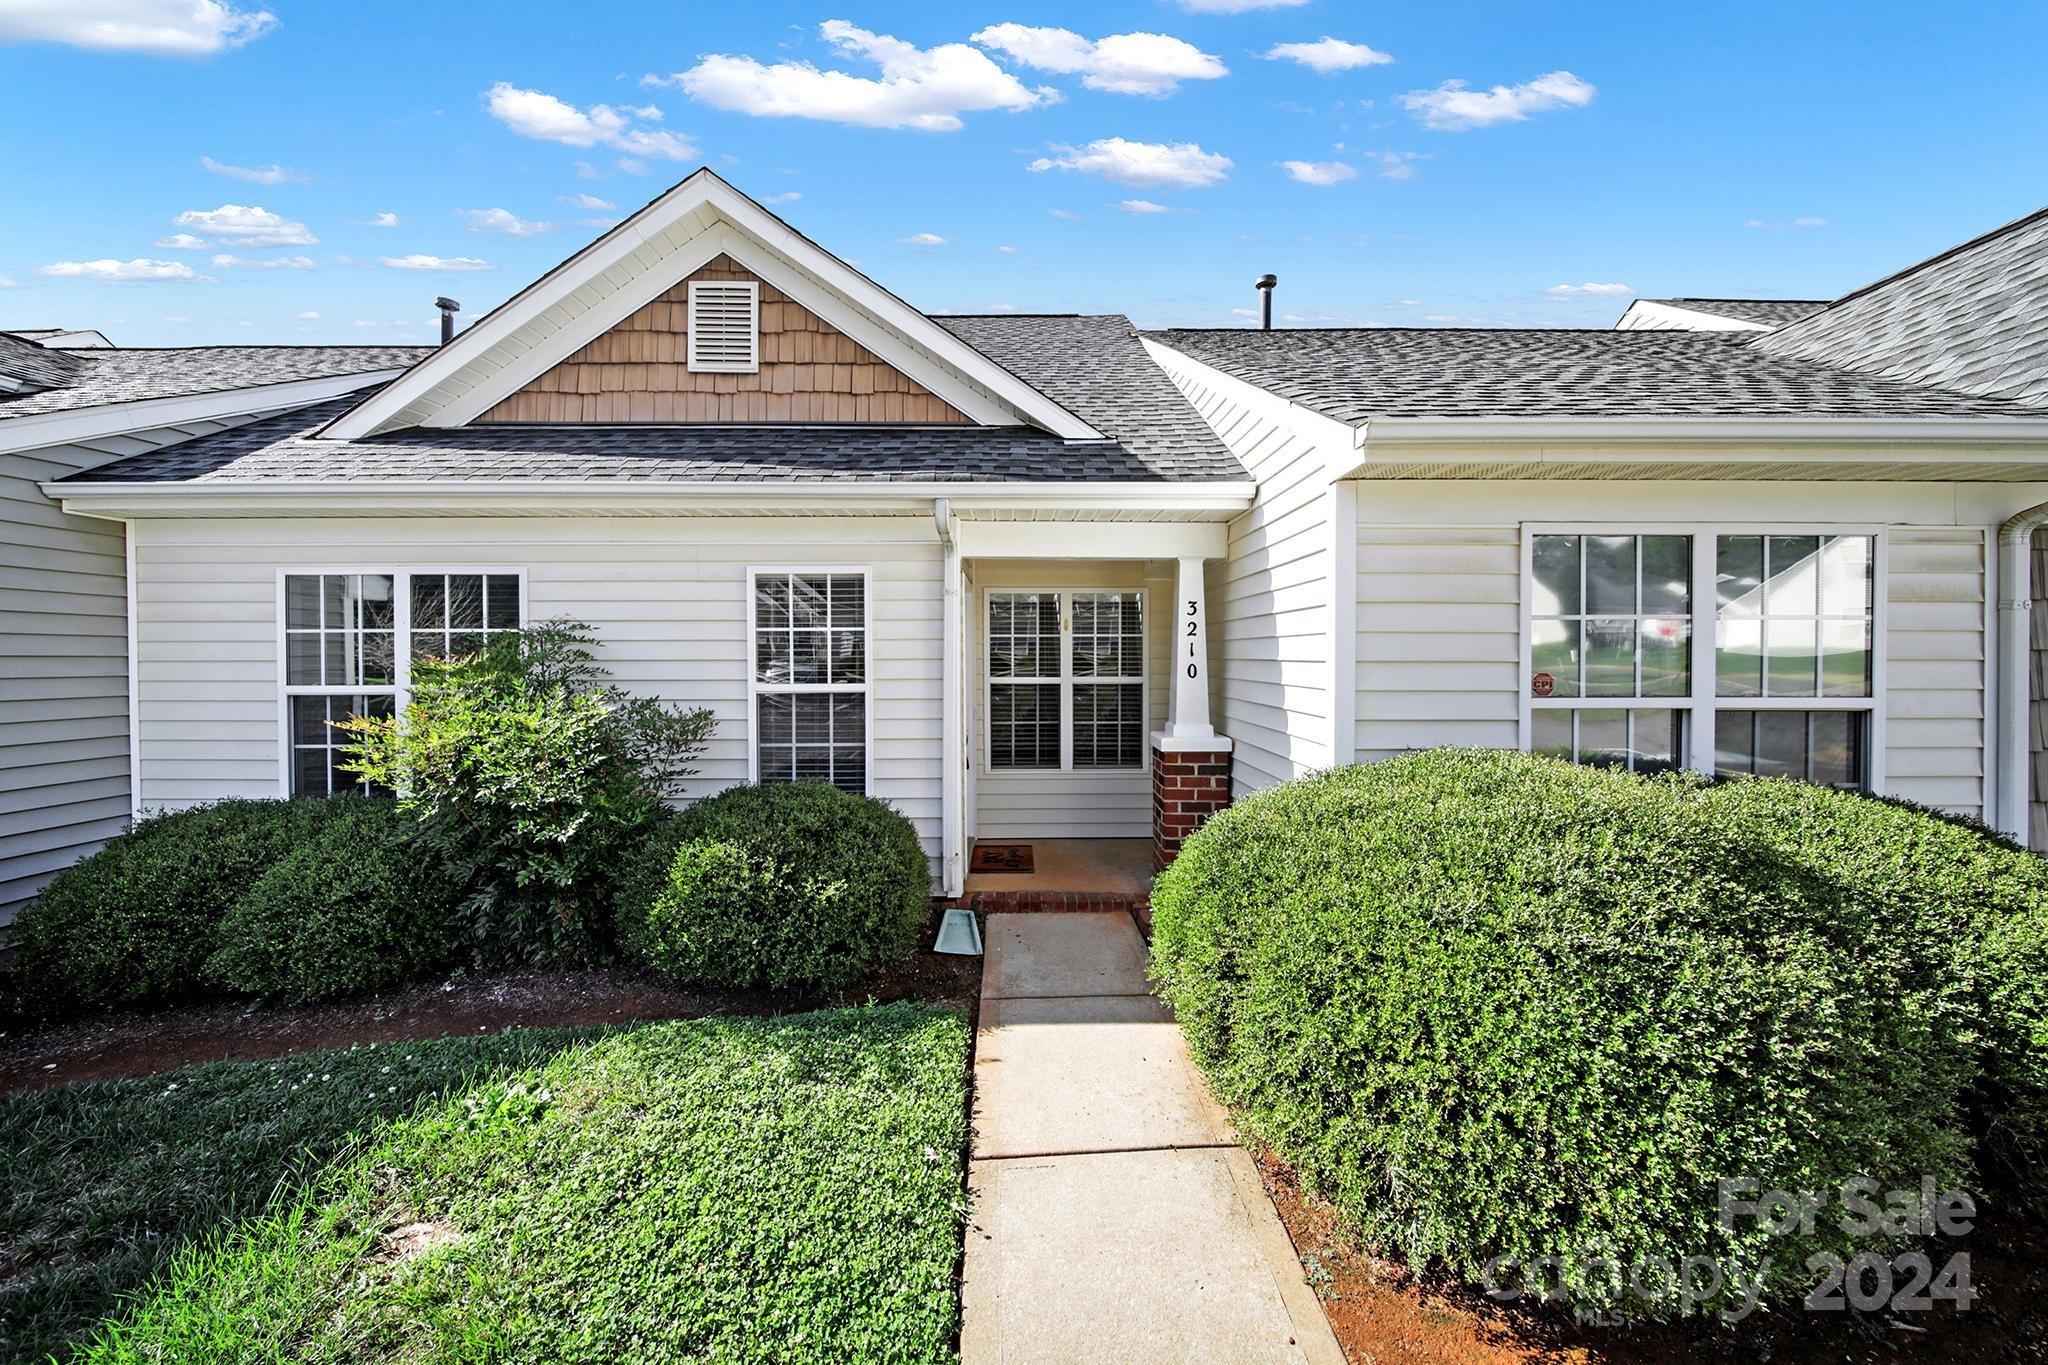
(133, 923)
(352, 909)
(1896, 860)
(529, 777)
(1500, 1005)
(792, 886)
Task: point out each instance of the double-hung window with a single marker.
(810, 680)
(1066, 680)
(1727, 651)
(349, 641)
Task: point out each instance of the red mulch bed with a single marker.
(1385, 1314)
(142, 1044)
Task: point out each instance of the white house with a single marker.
(1037, 576)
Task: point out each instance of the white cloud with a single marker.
(586, 171)
(1590, 291)
(1794, 223)
(6, 283)
(505, 221)
(1008, 250)
(922, 239)
(922, 88)
(309, 317)
(259, 175)
(1142, 165)
(586, 201)
(1123, 63)
(121, 271)
(1394, 165)
(1328, 55)
(241, 225)
(1451, 108)
(161, 28)
(1320, 172)
(228, 262)
(1235, 6)
(786, 197)
(531, 113)
(419, 261)
(1068, 214)
(1142, 206)
(180, 241)
(385, 220)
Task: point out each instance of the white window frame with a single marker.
(1701, 702)
(401, 643)
(755, 687)
(1066, 681)
(752, 365)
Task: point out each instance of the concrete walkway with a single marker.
(1114, 1218)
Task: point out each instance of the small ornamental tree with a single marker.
(528, 775)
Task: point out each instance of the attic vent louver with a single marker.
(725, 330)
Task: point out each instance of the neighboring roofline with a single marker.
(1707, 321)
(572, 497)
(69, 425)
(617, 246)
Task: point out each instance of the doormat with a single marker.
(1001, 858)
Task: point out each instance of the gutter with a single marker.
(2015, 646)
(1694, 430)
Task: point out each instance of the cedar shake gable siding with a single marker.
(810, 372)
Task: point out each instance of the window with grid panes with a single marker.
(811, 678)
(1024, 676)
(344, 655)
(1066, 680)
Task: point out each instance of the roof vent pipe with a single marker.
(1266, 283)
(449, 308)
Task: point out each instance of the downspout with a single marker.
(952, 780)
(2015, 647)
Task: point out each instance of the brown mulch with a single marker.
(142, 1044)
(1385, 1314)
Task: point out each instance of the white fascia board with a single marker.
(1646, 316)
(565, 497)
(701, 190)
(1084, 540)
(113, 419)
(1749, 431)
(1337, 441)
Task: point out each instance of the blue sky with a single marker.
(1766, 149)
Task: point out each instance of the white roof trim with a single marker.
(1646, 315)
(37, 430)
(546, 322)
(570, 497)
(1381, 432)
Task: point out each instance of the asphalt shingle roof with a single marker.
(126, 376)
(1768, 312)
(285, 448)
(1355, 374)
(29, 362)
(1094, 365)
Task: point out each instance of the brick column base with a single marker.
(1188, 786)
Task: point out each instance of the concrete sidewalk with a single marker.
(1114, 1217)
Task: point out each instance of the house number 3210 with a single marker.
(1194, 634)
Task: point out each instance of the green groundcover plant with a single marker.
(715, 1189)
(1495, 1005)
(795, 885)
(528, 775)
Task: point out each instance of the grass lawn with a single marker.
(729, 1189)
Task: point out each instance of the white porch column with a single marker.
(1187, 725)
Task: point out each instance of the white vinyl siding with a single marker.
(1100, 803)
(666, 597)
(64, 779)
(1935, 665)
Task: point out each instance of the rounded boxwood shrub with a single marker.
(133, 923)
(354, 908)
(1500, 1006)
(790, 886)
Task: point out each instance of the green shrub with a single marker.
(352, 909)
(1500, 1005)
(791, 886)
(529, 777)
(1899, 861)
(133, 923)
